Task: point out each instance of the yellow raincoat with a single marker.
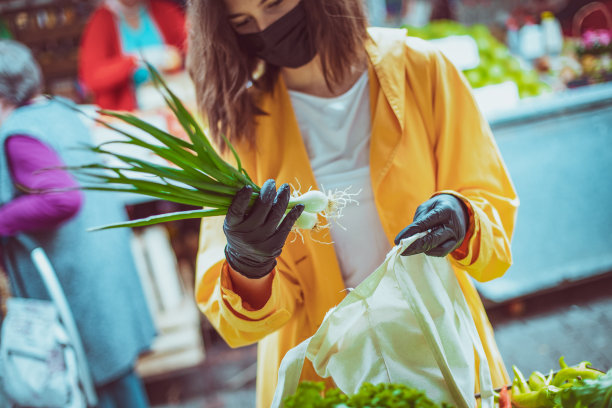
(427, 137)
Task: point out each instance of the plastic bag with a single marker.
(409, 323)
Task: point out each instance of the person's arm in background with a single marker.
(101, 64)
(36, 210)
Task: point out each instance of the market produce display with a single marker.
(196, 175)
(594, 53)
(497, 64)
(313, 395)
(576, 386)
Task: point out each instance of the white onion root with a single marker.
(329, 205)
(314, 201)
(307, 220)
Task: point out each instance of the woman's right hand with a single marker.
(255, 238)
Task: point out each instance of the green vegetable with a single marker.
(534, 399)
(515, 387)
(572, 374)
(312, 395)
(568, 375)
(522, 384)
(536, 381)
(562, 362)
(198, 177)
(549, 377)
(589, 393)
(576, 386)
(516, 390)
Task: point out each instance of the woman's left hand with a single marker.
(447, 218)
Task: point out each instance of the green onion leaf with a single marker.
(157, 219)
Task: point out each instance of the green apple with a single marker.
(497, 73)
(499, 52)
(512, 64)
(474, 77)
(479, 31)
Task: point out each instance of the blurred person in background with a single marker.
(592, 11)
(442, 10)
(39, 137)
(567, 10)
(121, 33)
(337, 106)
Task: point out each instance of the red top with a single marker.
(105, 70)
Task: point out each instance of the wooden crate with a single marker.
(179, 343)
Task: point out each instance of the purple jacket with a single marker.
(35, 168)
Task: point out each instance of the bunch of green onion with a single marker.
(196, 176)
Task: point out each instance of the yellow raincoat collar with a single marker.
(387, 60)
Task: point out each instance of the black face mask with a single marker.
(285, 43)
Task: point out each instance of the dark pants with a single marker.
(125, 392)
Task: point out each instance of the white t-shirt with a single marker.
(336, 133)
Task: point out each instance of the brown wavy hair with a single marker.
(220, 70)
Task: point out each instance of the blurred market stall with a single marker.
(543, 83)
(523, 47)
(53, 30)
(542, 74)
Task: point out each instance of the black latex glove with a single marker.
(255, 238)
(447, 217)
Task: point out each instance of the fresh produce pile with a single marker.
(577, 386)
(313, 395)
(497, 65)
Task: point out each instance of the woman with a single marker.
(118, 35)
(337, 106)
(38, 137)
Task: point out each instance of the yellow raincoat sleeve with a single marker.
(234, 319)
(471, 168)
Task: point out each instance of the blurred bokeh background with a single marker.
(542, 75)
